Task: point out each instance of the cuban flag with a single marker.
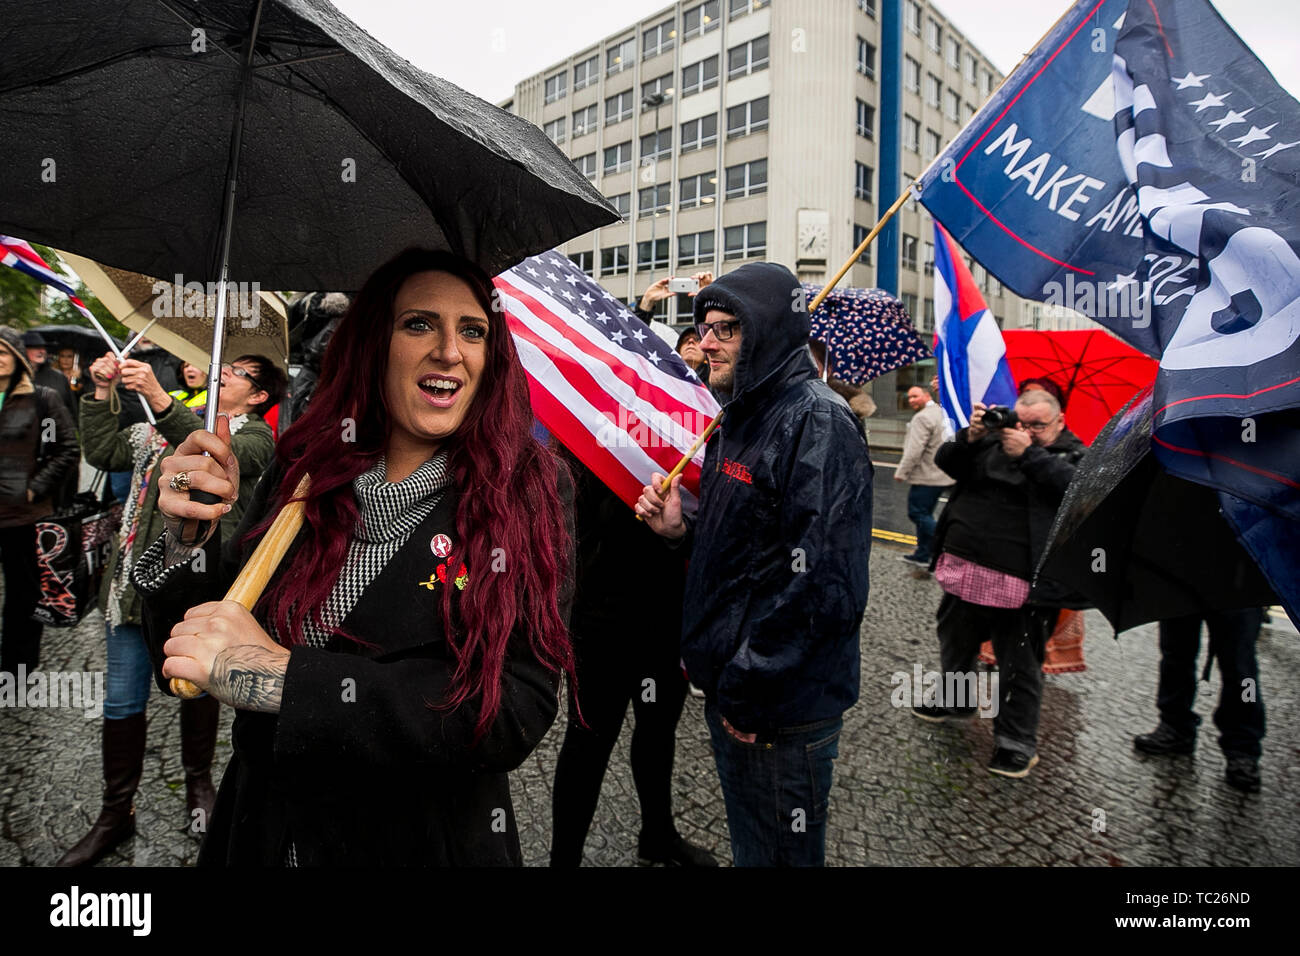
(968, 346)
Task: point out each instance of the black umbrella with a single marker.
(1142, 544)
(270, 140)
(87, 342)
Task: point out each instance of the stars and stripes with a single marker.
(615, 395)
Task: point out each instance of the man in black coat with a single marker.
(990, 538)
(778, 579)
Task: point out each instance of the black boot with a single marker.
(198, 743)
(123, 764)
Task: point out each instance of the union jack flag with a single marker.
(610, 389)
(19, 255)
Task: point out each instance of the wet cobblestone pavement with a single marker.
(906, 792)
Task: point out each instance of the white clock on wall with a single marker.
(813, 236)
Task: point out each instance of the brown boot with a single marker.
(123, 764)
(198, 743)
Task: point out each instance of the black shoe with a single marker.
(914, 560)
(1243, 772)
(938, 715)
(675, 852)
(1011, 763)
(1165, 740)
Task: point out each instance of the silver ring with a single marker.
(180, 481)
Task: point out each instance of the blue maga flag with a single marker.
(1143, 167)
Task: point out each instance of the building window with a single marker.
(554, 89)
(932, 88)
(586, 120)
(655, 199)
(618, 158)
(866, 58)
(747, 117)
(868, 7)
(658, 38)
(986, 82)
(954, 52)
(738, 8)
(697, 190)
(586, 261)
(911, 74)
(623, 203)
(933, 144)
(927, 322)
(933, 33)
(693, 249)
(912, 17)
(643, 258)
(745, 242)
(659, 86)
(969, 63)
(747, 179)
(657, 145)
(909, 257)
(866, 120)
(860, 233)
(618, 107)
(747, 58)
(620, 56)
(698, 133)
(909, 304)
(586, 73)
(587, 164)
(951, 104)
(969, 112)
(862, 182)
(929, 258)
(613, 261)
(911, 134)
(555, 130)
(700, 76)
(698, 21)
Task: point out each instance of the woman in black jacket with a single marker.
(407, 653)
(38, 447)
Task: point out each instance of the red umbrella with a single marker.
(1096, 372)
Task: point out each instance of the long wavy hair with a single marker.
(508, 486)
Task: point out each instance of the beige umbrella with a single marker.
(180, 318)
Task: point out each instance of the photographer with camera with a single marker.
(1011, 467)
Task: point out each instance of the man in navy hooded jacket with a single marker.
(778, 566)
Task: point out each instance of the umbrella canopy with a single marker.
(184, 316)
(124, 112)
(1142, 544)
(87, 342)
(867, 333)
(1096, 372)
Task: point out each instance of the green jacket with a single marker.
(107, 447)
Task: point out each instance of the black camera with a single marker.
(999, 416)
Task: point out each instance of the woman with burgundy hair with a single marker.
(407, 653)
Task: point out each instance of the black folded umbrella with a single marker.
(1141, 544)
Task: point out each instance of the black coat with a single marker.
(28, 462)
(359, 768)
(778, 578)
(1046, 472)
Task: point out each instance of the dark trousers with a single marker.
(20, 640)
(616, 665)
(1019, 637)
(921, 500)
(1240, 715)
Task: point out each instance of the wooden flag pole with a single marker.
(871, 236)
(255, 574)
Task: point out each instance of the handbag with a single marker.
(72, 549)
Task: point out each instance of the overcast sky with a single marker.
(486, 46)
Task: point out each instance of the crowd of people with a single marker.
(452, 572)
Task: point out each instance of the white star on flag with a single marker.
(1255, 134)
(1191, 79)
(654, 358)
(587, 297)
(1209, 100)
(567, 294)
(570, 278)
(1230, 118)
(618, 337)
(1124, 280)
(638, 335)
(533, 272)
(1276, 148)
(553, 277)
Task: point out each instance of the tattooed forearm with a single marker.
(249, 677)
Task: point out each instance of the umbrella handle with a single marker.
(257, 572)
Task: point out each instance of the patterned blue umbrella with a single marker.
(867, 333)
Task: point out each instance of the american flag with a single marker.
(610, 389)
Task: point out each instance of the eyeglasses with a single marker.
(721, 330)
(243, 373)
(1039, 426)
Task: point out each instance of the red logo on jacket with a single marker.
(734, 469)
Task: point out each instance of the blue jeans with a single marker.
(921, 500)
(130, 672)
(778, 792)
